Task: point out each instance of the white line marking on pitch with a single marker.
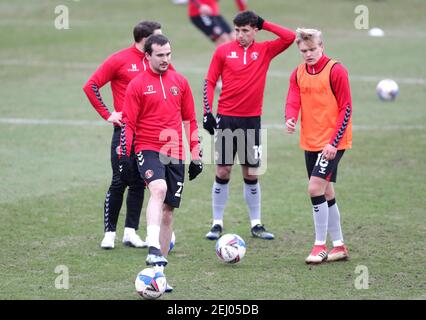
(21, 121)
(195, 70)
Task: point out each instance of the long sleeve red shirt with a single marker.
(118, 69)
(194, 6)
(155, 107)
(339, 81)
(243, 73)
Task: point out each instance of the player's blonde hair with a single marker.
(308, 35)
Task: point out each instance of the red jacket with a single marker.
(155, 107)
(243, 73)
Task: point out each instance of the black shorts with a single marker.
(212, 26)
(135, 180)
(238, 135)
(153, 165)
(319, 167)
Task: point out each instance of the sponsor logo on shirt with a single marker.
(233, 55)
(174, 90)
(134, 68)
(254, 55)
(149, 90)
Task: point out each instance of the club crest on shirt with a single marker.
(254, 55)
(149, 173)
(174, 90)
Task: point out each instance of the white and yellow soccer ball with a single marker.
(387, 90)
(230, 248)
(150, 283)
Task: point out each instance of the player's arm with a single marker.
(285, 39)
(97, 80)
(293, 104)
(189, 118)
(340, 85)
(341, 89)
(241, 4)
(213, 74)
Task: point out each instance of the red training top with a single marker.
(119, 69)
(243, 73)
(155, 107)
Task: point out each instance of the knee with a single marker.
(117, 186)
(223, 172)
(329, 195)
(159, 191)
(317, 187)
(314, 190)
(250, 174)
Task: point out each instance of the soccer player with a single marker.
(243, 65)
(319, 87)
(157, 102)
(205, 15)
(119, 69)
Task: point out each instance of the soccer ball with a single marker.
(376, 32)
(387, 90)
(230, 248)
(150, 283)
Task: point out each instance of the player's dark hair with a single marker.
(144, 29)
(245, 18)
(154, 39)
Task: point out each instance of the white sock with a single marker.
(320, 214)
(334, 226)
(252, 196)
(219, 222)
(220, 193)
(153, 236)
(129, 231)
(255, 222)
